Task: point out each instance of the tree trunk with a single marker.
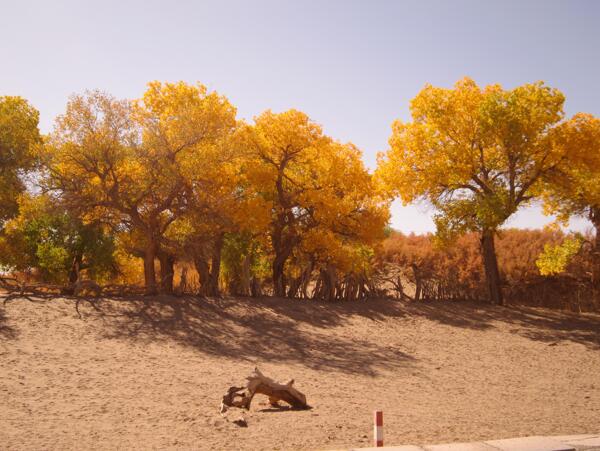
(75, 267)
(215, 267)
(332, 283)
(279, 284)
(245, 276)
(255, 288)
(297, 287)
(418, 282)
(490, 263)
(183, 281)
(149, 272)
(167, 263)
(326, 287)
(306, 280)
(204, 275)
(595, 218)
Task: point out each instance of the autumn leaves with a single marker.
(175, 176)
(478, 155)
(175, 173)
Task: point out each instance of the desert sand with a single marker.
(149, 373)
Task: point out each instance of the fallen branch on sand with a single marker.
(13, 285)
(258, 383)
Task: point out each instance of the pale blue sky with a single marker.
(353, 66)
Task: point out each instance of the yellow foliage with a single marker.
(130, 268)
(317, 196)
(574, 187)
(476, 154)
(555, 258)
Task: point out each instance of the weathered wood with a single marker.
(258, 383)
(10, 283)
(13, 285)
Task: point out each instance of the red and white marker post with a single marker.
(378, 428)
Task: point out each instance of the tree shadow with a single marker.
(534, 323)
(552, 326)
(253, 330)
(37, 298)
(467, 315)
(6, 331)
(309, 333)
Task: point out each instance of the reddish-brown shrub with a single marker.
(456, 270)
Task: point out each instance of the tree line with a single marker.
(175, 180)
(540, 267)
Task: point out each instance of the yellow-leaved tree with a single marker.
(573, 189)
(476, 154)
(306, 182)
(217, 205)
(19, 137)
(127, 161)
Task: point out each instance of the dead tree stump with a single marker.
(258, 383)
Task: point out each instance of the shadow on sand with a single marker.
(6, 332)
(539, 324)
(253, 330)
(283, 408)
(297, 330)
(306, 332)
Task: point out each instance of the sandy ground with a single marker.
(149, 373)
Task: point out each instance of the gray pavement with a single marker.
(583, 442)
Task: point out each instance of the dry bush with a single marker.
(431, 272)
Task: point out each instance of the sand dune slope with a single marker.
(149, 373)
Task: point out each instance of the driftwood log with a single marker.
(258, 383)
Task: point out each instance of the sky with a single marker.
(352, 66)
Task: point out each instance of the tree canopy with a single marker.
(476, 155)
(134, 162)
(19, 136)
(174, 181)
